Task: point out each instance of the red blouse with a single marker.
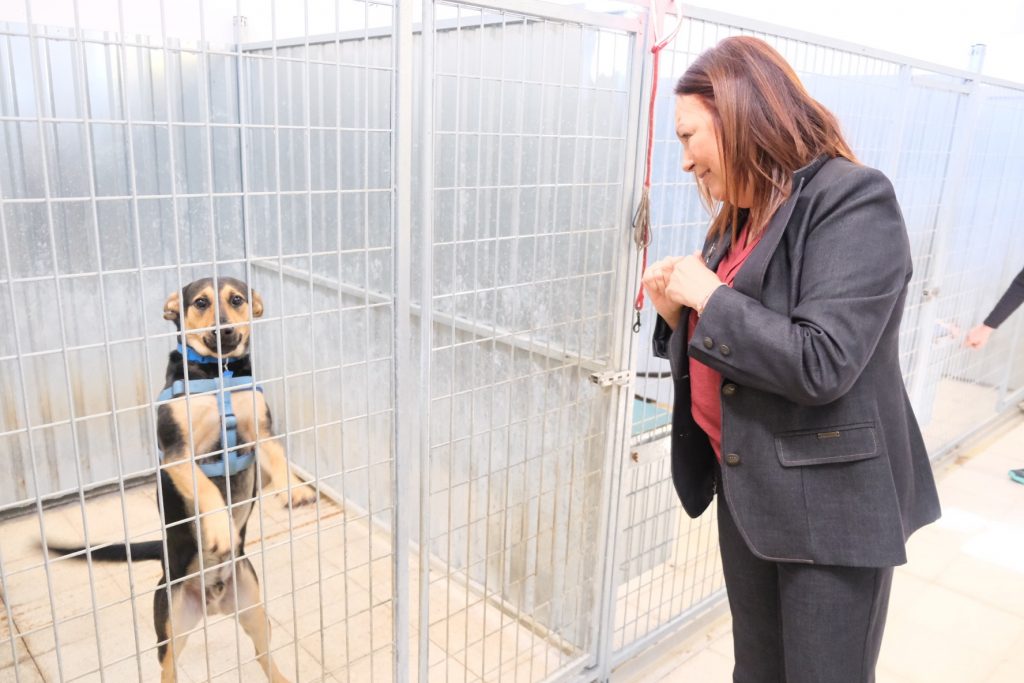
(705, 383)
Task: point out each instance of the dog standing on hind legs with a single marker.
(217, 415)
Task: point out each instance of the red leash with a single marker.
(642, 217)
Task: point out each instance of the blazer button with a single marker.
(725, 350)
(728, 389)
(708, 342)
(732, 459)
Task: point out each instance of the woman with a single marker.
(783, 337)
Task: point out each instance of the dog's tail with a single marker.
(113, 552)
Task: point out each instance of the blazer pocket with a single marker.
(847, 443)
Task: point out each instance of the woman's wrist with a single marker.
(707, 297)
(671, 317)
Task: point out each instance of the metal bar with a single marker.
(362, 34)
(716, 17)
(474, 346)
(449, 543)
(558, 13)
(403, 390)
(618, 414)
(398, 110)
(348, 506)
(426, 321)
(499, 556)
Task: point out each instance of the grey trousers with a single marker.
(798, 623)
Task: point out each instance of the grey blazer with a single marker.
(823, 461)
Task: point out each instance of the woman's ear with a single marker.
(257, 305)
(172, 307)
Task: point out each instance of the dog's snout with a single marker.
(215, 590)
(228, 333)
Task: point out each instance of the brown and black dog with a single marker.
(206, 563)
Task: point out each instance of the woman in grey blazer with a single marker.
(783, 337)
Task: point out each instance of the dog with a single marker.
(205, 562)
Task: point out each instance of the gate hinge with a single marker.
(610, 377)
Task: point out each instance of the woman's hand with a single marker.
(655, 282)
(691, 282)
(978, 336)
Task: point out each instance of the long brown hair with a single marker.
(768, 127)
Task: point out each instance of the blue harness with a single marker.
(232, 460)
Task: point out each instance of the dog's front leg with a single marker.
(274, 466)
(217, 535)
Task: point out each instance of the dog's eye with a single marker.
(201, 304)
(237, 300)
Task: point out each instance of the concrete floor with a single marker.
(957, 609)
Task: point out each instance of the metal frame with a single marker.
(405, 434)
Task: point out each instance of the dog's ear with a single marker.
(172, 307)
(257, 305)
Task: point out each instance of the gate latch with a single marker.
(610, 377)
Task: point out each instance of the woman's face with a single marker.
(696, 130)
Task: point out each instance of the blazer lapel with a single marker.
(750, 279)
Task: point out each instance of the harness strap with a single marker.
(232, 460)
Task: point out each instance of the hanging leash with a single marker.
(642, 217)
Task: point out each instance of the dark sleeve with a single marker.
(1011, 299)
(662, 333)
(855, 265)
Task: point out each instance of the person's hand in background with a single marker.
(978, 336)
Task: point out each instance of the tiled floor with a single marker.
(957, 610)
(329, 597)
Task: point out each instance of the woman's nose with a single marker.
(687, 163)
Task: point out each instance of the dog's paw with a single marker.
(299, 494)
(218, 537)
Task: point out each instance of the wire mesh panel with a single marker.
(137, 160)
(975, 256)
(529, 146)
(906, 121)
